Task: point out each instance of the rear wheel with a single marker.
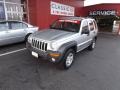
(92, 45)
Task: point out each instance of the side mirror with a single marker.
(85, 31)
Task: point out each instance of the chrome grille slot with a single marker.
(45, 46)
(41, 45)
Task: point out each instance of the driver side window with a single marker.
(85, 27)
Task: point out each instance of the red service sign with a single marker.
(103, 12)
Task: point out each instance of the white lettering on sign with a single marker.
(61, 9)
(103, 12)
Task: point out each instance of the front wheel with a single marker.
(68, 59)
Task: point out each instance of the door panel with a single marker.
(17, 33)
(4, 33)
(84, 38)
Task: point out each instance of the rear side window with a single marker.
(3, 26)
(91, 24)
(15, 25)
(24, 25)
(95, 24)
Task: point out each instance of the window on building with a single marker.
(14, 11)
(2, 11)
(13, 1)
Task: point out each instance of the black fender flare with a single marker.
(67, 46)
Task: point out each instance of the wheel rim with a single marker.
(93, 44)
(69, 59)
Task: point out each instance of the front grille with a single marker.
(39, 44)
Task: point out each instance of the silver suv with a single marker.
(65, 37)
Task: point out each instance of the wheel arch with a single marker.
(67, 46)
(27, 35)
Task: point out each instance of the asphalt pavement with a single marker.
(93, 70)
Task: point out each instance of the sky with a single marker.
(93, 2)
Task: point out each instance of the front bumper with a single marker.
(44, 54)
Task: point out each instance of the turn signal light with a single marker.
(54, 55)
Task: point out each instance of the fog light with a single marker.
(53, 59)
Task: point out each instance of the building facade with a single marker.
(40, 10)
(43, 12)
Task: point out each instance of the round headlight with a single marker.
(54, 45)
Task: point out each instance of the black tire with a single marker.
(69, 54)
(92, 45)
(26, 37)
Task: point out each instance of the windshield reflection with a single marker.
(67, 25)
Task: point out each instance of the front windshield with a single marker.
(67, 25)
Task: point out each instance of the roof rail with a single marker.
(72, 17)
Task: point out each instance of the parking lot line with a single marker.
(12, 52)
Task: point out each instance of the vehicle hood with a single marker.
(52, 34)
